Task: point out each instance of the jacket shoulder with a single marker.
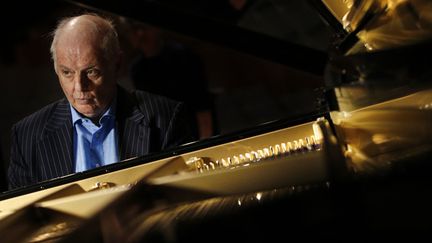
(35, 122)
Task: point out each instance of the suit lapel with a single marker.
(55, 148)
(134, 131)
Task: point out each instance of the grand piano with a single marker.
(358, 166)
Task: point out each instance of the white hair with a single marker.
(99, 26)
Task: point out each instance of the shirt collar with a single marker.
(110, 112)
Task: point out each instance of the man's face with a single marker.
(87, 79)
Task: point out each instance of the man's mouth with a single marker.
(83, 101)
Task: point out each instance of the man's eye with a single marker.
(93, 73)
(66, 73)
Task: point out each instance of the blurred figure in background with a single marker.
(170, 69)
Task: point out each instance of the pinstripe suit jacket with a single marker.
(41, 146)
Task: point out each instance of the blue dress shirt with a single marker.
(94, 146)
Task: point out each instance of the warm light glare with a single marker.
(317, 132)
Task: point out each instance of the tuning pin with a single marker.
(235, 160)
(212, 165)
(195, 163)
(218, 164)
(315, 143)
(290, 148)
(248, 157)
(271, 151)
(301, 145)
(224, 163)
(276, 149)
(296, 146)
(261, 154)
(266, 153)
(242, 159)
(283, 148)
(255, 156)
(229, 160)
(308, 144)
(205, 167)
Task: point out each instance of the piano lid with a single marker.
(383, 24)
(383, 49)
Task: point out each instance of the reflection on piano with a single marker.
(359, 168)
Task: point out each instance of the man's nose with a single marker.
(81, 82)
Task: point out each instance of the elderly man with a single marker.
(99, 122)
